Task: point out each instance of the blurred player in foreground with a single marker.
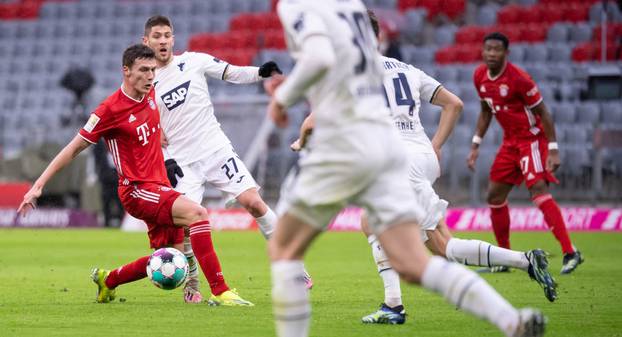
(129, 122)
(529, 151)
(355, 156)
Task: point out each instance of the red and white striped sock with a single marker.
(555, 221)
(130, 272)
(201, 240)
(500, 218)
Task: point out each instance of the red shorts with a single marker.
(153, 203)
(522, 160)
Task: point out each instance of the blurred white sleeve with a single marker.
(316, 57)
(241, 75)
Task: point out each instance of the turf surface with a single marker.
(45, 289)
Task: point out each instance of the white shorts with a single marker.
(223, 169)
(423, 172)
(363, 166)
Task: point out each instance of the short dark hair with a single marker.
(498, 36)
(136, 51)
(374, 22)
(157, 20)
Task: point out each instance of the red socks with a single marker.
(131, 272)
(201, 240)
(500, 218)
(555, 221)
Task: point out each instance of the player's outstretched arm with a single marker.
(552, 161)
(483, 122)
(64, 157)
(452, 108)
(248, 74)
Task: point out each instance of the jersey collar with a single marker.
(133, 99)
(505, 65)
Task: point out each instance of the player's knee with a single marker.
(198, 213)
(538, 188)
(256, 207)
(494, 199)
(409, 274)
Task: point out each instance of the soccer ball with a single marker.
(167, 268)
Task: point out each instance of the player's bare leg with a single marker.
(265, 217)
(292, 310)
(188, 213)
(499, 213)
(459, 285)
(543, 199)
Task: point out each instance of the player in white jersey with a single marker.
(355, 156)
(195, 147)
(406, 86)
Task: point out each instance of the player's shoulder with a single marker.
(480, 72)
(517, 73)
(389, 64)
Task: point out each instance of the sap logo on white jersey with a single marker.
(176, 97)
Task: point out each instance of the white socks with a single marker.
(290, 299)
(467, 291)
(480, 253)
(390, 278)
(193, 265)
(267, 223)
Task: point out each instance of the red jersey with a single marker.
(131, 130)
(511, 95)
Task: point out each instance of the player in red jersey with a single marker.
(129, 122)
(529, 151)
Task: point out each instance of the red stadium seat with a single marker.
(28, 9)
(582, 53)
(453, 8)
(242, 39)
(273, 21)
(576, 12)
(274, 39)
(513, 32)
(467, 34)
(612, 52)
(510, 14)
(432, 6)
(445, 55)
(552, 12)
(13, 193)
(533, 14)
(613, 32)
(468, 53)
(9, 11)
(534, 32)
(242, 21)
(404, 5)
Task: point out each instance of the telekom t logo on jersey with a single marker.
(143, 133)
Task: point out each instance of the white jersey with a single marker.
(186, 110)
(350, 91)
(405, 87)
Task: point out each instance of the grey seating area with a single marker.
(92, 34)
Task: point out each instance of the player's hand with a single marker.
(30, 200)
(272, 83)
(278, 113)
(296, 145)
(268, 69)
(172, 171)
(437, 151)
(472, 158)
(553, 161)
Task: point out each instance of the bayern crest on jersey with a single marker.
(503, 90)
(151, 103)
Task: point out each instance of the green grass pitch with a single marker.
(45, 289)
